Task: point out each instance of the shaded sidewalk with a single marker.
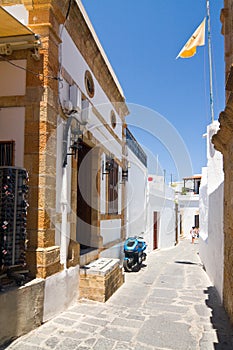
(169, 304)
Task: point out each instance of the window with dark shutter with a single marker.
(113, 190)
(7, 153)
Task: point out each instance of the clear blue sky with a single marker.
(142, 40)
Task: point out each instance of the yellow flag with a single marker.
(197, 39)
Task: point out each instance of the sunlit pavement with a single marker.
(169, 304)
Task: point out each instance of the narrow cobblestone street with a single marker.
(169, 304)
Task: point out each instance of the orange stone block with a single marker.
(44, 221)
(47, 256)
(46, 238)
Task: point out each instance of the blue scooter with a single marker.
(134, 249)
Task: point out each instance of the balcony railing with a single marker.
(135, 147)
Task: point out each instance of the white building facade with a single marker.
(161, 214)
(211, 241)
(187, 197)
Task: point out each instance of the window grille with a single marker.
(7, 153)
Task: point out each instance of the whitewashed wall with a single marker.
(12, 120)
(16, 85)
(161, 200)
(18, 11)
(136, 206)
(211, 240)
(204, 204)
(110, 230)
(66, 285)
(136, 196)
(189, 207)
(70, 54)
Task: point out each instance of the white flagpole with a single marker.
(210, 62)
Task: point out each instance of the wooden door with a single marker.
(155, 245)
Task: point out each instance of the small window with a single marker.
(113, 119)
(113, 190)
(7, 153)
(89, 84)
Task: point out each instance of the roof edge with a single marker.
(95, 37)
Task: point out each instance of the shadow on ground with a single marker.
(219, 320)
(136, 269)
(187, 262)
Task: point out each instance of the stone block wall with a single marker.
(100, 279)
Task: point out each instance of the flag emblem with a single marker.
(197, 39)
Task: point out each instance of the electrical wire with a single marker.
(39, 75)
(68, 11)
(60, 54)
(61, 31)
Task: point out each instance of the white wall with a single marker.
(204, 204)
(75, 65)
(136, 205)
(136, 196)
(12, 128)
(189, 207)
(70, 54)
(211, 240)
(115, 252)
(12, 120)
(19, 12)
(161, 200)
(110, 230)
(16, 84)
(61, 291)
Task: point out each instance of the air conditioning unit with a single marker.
(85, 113)
(76, 98)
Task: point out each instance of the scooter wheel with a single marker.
(127, 266)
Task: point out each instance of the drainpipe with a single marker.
(64, 234)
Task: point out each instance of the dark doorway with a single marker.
(196, 221)
(181, 229)
(176, 229)
(84, 209)
(155, 245)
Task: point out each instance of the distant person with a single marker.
(193, 233)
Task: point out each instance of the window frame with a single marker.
(112, 190)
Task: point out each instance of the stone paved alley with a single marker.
(169, 304)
